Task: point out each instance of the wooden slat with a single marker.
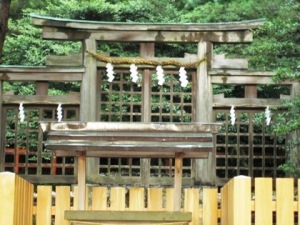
(155, 199)
(224, 205)
(131, 217)
(117, 198)
(178, 181)
(131, 154)
(82, 200)
(41, 99)
(150, 36)
(263, 201)
(99, 198)
(298, 201)
(170, 199)
(62, 203)
(284, 201)
(220, 62)
(191, 204)
(76, 198)
(210, 206)
(42, 21)
(44, 203)
(220, 101)
(136, 199)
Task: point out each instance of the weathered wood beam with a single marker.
(149, 36)
(42, 21)
(220, 62)
(131, 217)
(73, 59)
(41, 99)
(221, 101)
(243, 77)
(41, 74)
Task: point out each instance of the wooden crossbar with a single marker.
(138, 217)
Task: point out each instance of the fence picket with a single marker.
(210, 206)
(191, 204)
(155, 199)
(263, 201)
(99, 198)
(235, 202)
(224, 205)
(137, 199)
(44, 203)
(169, 199)
(284, 201)
(117, 198)
(62, 203)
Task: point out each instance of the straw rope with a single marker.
(144, 61)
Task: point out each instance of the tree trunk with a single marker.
(4, 13)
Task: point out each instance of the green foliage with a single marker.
(24, 45)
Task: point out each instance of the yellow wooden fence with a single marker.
(238, 203)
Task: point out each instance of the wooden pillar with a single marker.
(146, 50)
(88, 168)
(178, 181)
(2, 155)
(294, 154)
(204, 168)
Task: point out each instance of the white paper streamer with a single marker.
(160, 75)
(110, 72)
(134, 73)
(59, 113)
(232, 115)
(21, 113)
(183, 77)
(268, 115)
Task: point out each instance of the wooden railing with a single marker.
(235, 205)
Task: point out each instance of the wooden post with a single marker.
(81, 181)
(88, 99)
(146, 50)
(16, 197)
(2, 147)
(294, 153)
(204, 168)
(177, 181)
(240, 201)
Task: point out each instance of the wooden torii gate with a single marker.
(147, 34)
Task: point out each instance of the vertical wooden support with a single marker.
(177, 181)
(62, 203)
(88, 98)
(117, 198)
(146, 50)
(224, 205)
(7, 198)
(16, 199)
(210, 206)
(191, 204)
(263, 201)
(298, 201)
(136, 199)
(99, 198)
(204, 168)
(250, 91)
(240, 199)
(155, 199)
(294, 153)
(2, 147)
(44, 204)
(81, 181)
(170, 199)
(284, 201)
